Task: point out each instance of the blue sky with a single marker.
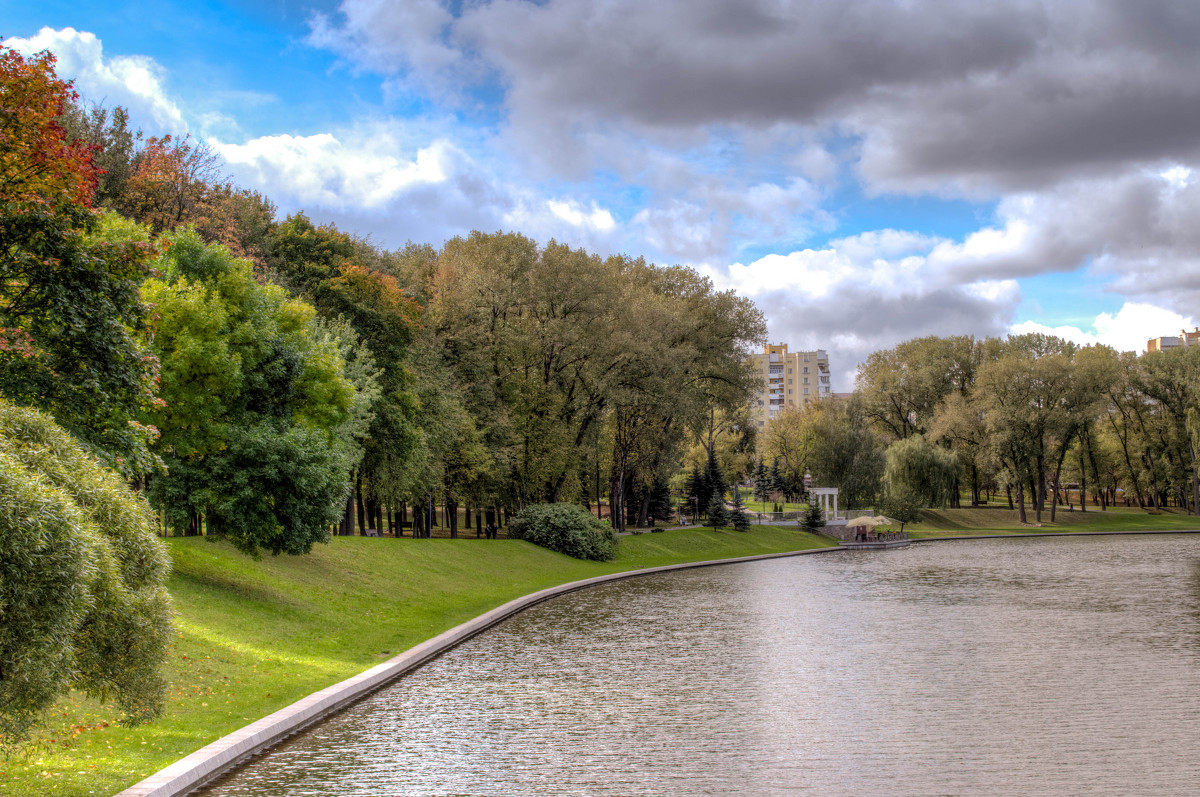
(867, 173)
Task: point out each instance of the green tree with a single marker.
(258, 409)
(846, 453)
(718, 515)
(82, 574)
(917, 469)
(737, 515)
(71, 318)
(813, 519)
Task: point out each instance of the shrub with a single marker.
(566, 528)
(82, 596)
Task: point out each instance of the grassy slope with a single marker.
(993, 520)
(254, 636)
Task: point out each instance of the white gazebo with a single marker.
(827, 499)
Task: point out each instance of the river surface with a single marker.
(1053, 666)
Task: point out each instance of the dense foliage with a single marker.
(256, 398)
(82, 601)
(566, 528)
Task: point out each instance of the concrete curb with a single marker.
(208, 762)
(1023, 534)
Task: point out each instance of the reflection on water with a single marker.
(1048, 666)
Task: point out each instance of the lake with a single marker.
(1013, 666)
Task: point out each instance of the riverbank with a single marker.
(1001, 520)
(254, 636)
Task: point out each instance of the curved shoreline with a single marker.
(211, 761)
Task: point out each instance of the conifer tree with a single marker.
(813, 519)
(718, 515)
(776, 478)
(762, 485)
(737, 516)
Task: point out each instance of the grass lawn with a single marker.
(254, 636)
(1000, 520)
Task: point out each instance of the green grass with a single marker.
(1002, 520)
(254, 636)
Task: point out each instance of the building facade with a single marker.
(788, 379)
(1185, 339)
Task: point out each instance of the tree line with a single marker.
(273, 381)
(938, 418)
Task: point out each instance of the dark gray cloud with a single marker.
(948, 97)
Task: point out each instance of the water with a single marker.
(1054, 666)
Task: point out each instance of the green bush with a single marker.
(566, 528)
(82, 574)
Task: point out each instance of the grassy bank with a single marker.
(1001, 520)
(254, 636)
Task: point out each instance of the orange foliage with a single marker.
(39, 168)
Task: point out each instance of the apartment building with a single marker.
(789, 379)
(1185, 339)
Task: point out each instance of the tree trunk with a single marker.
(1021, 502)
(362, 511)
(1057, 476)
(1082, 480)
(452, 516)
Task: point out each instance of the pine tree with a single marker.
(697, 487)
(718, 515)
(715, 480)
(762, 486)
(776, 478)
(737, 516)
(813, 518)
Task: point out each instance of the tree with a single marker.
(918, 470)
(71, 318)
(846, 453)
(82, 578)
(813, 519)
(718, 515)
(254, 426)
(903, 505)
(902, 387)
(762, 481)
(737, 515)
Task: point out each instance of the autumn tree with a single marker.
(71, 317)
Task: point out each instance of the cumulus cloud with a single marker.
(136, 82)
(867, 292)
(1126, 330)
(361, 169)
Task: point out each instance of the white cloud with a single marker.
(575, 214)
(1127, 330)
(359, 168)
(135, 82)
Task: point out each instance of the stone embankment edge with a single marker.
(193, 771)
(1017, 535)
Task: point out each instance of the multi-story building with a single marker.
(1185, 339)
(789, 379)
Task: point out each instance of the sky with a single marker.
(866, 172)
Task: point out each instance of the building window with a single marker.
(806, 391)
(806, 370)
(806, 380)
(790, 391)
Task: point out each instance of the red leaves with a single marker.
(38, 166)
